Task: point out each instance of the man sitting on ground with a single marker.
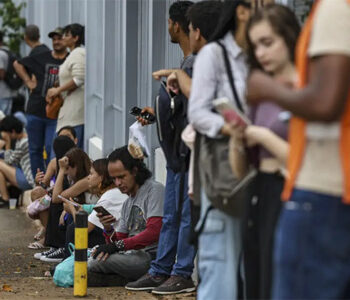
(15, 168)
(130, 249)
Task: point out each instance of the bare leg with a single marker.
(9, 172)
(3, 188)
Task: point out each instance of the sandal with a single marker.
(40, 234)
(36, 245)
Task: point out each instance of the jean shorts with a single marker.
(21, 180)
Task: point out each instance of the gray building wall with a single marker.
(125, 41)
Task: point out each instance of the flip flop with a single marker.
(36, 245)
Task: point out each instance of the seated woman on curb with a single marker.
(111, 199)
(71, 181)
(15, 167)
(41, 197)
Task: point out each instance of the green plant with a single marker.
(12, 23)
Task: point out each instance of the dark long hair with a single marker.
(228, 18)
(101, 167)
(78, 158)
(283, 22)
(131, 164)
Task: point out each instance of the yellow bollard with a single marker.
(80, 255)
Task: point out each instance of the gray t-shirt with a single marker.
(147, 203)
(5, 91)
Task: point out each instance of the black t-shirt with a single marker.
(39, 49)
(45, 68)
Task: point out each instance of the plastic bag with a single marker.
(137, 144)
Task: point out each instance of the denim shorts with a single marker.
(21, 180)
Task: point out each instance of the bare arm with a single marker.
(180, 80)
(31, 83)
(237, 158)
(58, 187)
(323, 99)
(277, 146)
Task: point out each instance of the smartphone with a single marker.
(102, 210)
(67, 200)
(225, 107)
(136, 111)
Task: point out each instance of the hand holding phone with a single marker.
(138, 112)
(102, 210)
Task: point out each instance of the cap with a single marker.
(58, 31)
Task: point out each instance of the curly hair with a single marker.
(131, 164)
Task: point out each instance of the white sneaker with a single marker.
(40, 254)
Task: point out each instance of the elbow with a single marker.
(329, 114)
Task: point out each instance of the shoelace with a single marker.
(56, 253)
(51, 250)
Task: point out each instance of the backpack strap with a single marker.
(230, 77)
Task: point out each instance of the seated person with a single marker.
(71, 182)
(41, 194)
(130, 248)
(110, 198)
(15, 167)
(45, 178)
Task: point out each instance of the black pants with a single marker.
(262, 213)
(95, 237)
(55, 234)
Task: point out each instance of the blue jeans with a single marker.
(80, 135)
(219, 252)
(312, 248)
(40, 133)
(174, 237)
(6, 105)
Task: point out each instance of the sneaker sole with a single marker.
(188, 290)
(140, 289)
(37, 256)
(54, 260)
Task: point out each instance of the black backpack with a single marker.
(171, 115)
(11, 78)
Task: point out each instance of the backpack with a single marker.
(11, 77)
(171, 115)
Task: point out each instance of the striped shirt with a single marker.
(20, 157)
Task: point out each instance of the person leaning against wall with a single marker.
(71, 82)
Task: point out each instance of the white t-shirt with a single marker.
(112, 201)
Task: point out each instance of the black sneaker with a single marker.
(95, 279)
(40, 254)
(175, 285)
(56, 256)
(146, 283)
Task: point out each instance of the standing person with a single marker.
(220, 242)
(272, 35)
(312, 239)
(5, 91)
(32, 39)
(313, 235)
(171, 271)
(202, 17)
(39, 73)
(71, 82)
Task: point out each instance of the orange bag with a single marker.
(53, 108)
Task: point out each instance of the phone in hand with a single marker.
(136, 111)
(102, 210)
(231, 114)
(69, 201)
